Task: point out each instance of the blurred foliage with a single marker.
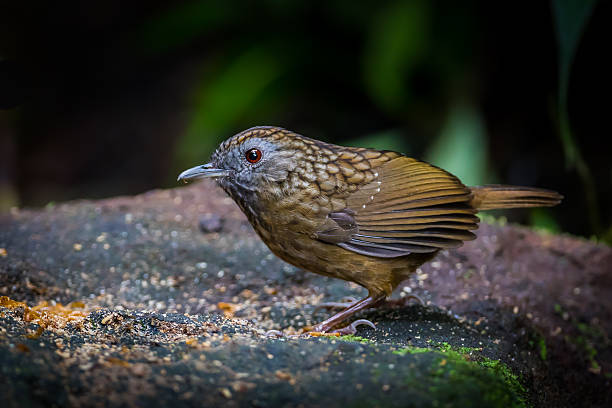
(571, 17)
(177, 26)
(462, 147)
(229, 100)
(397, 39)
(148, 90)
(240, 85)
(542, 219)
(386, 140)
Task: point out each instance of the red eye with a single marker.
(253, 156)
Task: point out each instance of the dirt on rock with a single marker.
(166, 298)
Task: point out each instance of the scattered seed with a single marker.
(226, 393)
(281, 375)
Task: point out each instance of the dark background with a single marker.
(102, 98)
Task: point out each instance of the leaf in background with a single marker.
(542, 218)
(222, 100)
(386, 140)
(571, 17)
(179, 25)
(461, 147)
(398, 38)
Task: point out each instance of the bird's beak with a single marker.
(205, 170)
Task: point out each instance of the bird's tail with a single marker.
(493, 197)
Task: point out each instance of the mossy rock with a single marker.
(159, 313)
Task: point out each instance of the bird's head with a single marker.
(256, 160)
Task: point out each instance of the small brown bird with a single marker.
(366, 216)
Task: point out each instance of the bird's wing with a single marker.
(410, 207)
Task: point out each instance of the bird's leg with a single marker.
(327, 325)
(351, 306)
(344, 303)
(348, 301)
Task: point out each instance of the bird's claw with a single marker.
(352, 328)
(415, 297)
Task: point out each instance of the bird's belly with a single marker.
(379, 275)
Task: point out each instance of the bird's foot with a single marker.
(352, 328)
(349, 301)
(403, 301)
(325, 330)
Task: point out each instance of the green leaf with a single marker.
(571, 17)
(461, 147)
(397, 40)
(177, 26)
(385, 140)
(542, 218)
(221, 100)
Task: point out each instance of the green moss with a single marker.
(538, 343)
(468, 274)
(462, 367)
(591, 338)
(511, 379)
(447, 347)
(468, 350)
(585, 345)
(357, 339)
(444, 346)
(543, 349)
(411, 350)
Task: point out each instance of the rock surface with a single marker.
(129, 301)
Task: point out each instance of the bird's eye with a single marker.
(253, 156)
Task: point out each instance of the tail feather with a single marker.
(493, 197)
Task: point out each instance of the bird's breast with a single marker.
(288, 224)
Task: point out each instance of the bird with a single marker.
(363, 215)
